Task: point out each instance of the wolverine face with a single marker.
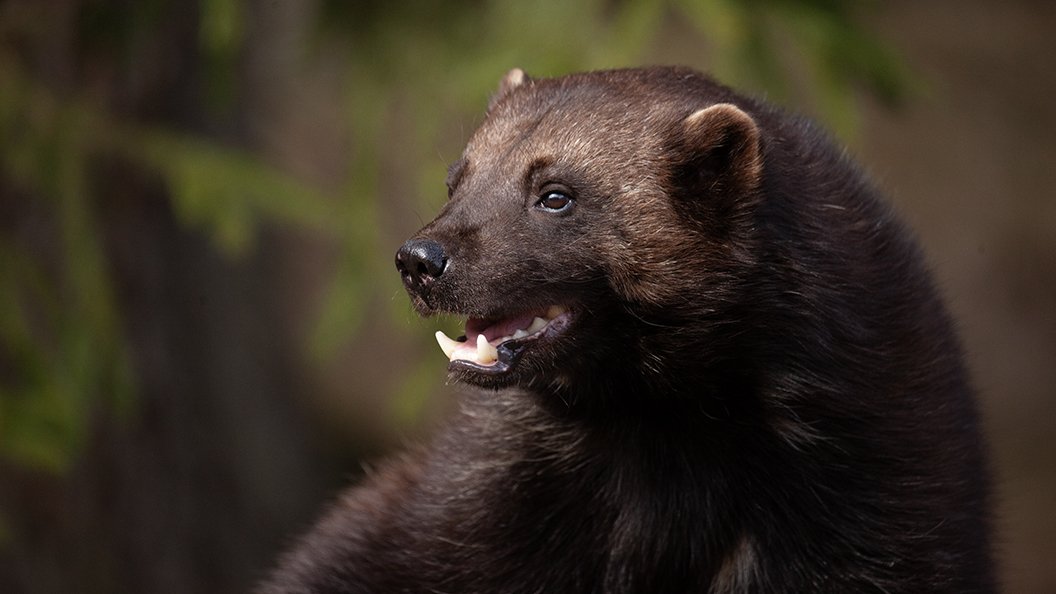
(561, 230)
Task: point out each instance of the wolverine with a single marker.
(700, 354)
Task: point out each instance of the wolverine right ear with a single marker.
(721, 145)
(513, 79)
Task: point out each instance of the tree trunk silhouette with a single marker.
(194, 490)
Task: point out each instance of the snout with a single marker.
(420, 262)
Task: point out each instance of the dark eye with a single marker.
(554, 202)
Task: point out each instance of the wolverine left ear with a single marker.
(721, 149)
(513, 79)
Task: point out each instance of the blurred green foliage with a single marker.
(59, 329)
(420, 63)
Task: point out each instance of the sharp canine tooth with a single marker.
(554, 311)
(446, 344)
(485, 352)
(537, 325)
(519, 334)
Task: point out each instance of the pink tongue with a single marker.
(492, 329)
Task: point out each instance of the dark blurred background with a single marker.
(202, 337)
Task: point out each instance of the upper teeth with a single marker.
(485, 352)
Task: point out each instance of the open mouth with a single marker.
(494, 345)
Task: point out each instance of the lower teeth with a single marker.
(486, 353)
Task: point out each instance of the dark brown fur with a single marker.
(760, 390)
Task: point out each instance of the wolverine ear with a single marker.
(513, 79)
(721, 153)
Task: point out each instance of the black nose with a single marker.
(420, 261)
